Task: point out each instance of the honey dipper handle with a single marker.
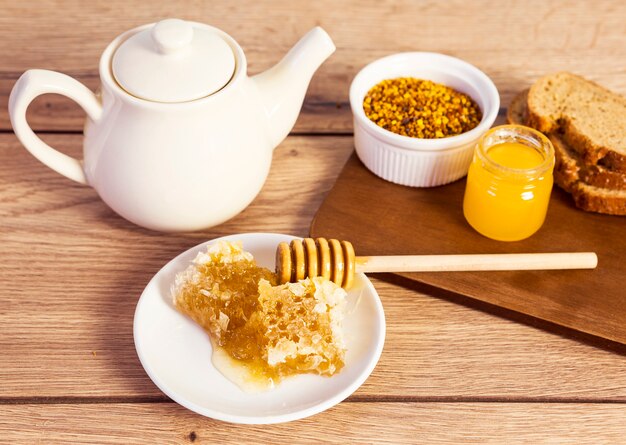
(482, 262)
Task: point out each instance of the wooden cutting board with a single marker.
(381, 218)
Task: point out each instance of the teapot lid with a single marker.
(173, 61)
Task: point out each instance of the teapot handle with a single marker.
(34, 83)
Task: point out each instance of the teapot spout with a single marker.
(282, 88)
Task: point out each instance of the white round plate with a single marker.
(176, 352)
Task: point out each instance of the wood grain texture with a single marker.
(72, 272)
(364, 423)
(513, 42)
(381, 218)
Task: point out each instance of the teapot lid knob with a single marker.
(171, 35)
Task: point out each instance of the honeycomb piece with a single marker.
(303, 326)
(272, 331)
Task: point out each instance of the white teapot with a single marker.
(180, 138)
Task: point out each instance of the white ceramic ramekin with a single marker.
(413, 161)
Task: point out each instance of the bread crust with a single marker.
(587, 184)
(566, 169)
(594, 188)
(517, 113)
(587, 199)
(573, 167)
(592, 152)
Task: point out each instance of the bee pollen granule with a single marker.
(420, 108)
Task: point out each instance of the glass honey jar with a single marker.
(509, 183)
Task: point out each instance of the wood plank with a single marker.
(398, 26)
(514, 44)
(381, 423)
(322, 112)
(71, 272)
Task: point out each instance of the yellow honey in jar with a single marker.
(509, 183)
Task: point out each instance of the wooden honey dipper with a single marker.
(335, 260)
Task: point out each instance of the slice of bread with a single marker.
(517, 113)
(600, 200)
(575, 178)
(566, 169)
(591, 119)
(593, 175)
(594, 188)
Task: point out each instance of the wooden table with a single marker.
(71, 270)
